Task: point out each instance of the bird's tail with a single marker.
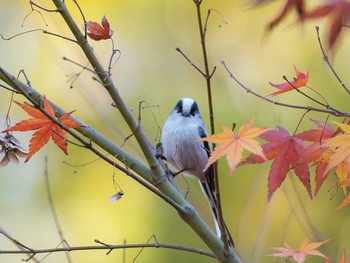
(209, 195)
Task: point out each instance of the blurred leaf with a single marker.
(300, 254)
(289, 5)
(339, 13)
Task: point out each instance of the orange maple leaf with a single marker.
(232, 145)
(285, 150)
(298, 82)
(300, 254)
(45, 127)
(98, 32)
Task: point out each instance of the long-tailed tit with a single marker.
(185, 152)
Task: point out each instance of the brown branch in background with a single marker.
(111, 63)
(331, 111)
(35, 30)
(208, 76)
(325, 58)
(189, 61)
(83, 17)
(53, 210)
(102, 246)
(22, 248)
(79, 65)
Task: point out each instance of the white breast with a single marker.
(182, 147)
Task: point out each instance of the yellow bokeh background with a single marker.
(150, 69)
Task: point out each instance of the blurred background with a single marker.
(151, 70)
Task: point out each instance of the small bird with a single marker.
(186, 153)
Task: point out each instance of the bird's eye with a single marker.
(179, 109)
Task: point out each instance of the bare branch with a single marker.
(189, 61)
(35, 30)
(108, 247)
(53, 210)
(225, 238)
(309, 108)
(22, 248)
(325, 58)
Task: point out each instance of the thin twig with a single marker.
(325, 58)
(208, 76)
(249, 90)
(9, 89)
(111, 63)
(189, 61)
(79, 65)
(104, 246)
(35, 30)
(326, 104)
(82, 15)
(42, 8)
(141, 250)
(207, 20)
(22, 247)
(53, 210)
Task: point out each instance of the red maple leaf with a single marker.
(98, 32)
(339, 13)
(315, 153)
(289, 5)
(285, 150)
(299, 81)
(45, 127)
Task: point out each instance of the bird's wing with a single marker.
(209, 173)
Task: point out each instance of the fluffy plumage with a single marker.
(185, 152)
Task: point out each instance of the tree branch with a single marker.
(207, 75)
(109, 248)
(331, 111)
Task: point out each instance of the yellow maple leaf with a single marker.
(342, 173)
(339, 146)
(232, 145)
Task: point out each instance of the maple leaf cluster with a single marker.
(338, 13)
(323, 148)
